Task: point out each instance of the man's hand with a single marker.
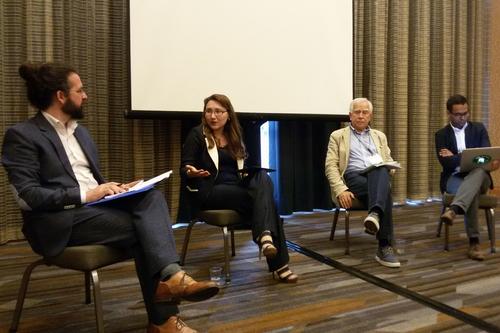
(103, 190)
(443, 152)
(345, 199)
(495, 164)
(127, 186)
(192, 172)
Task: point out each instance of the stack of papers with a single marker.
(141, 186)
(389, 165)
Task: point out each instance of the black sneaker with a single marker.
(386, 257)
(371, 223)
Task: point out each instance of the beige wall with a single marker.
(494, 121)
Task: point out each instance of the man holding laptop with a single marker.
(466, 185)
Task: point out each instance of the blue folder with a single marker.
(121, 195)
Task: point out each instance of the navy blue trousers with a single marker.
(140, 223)
(253, 199)
(374, 190)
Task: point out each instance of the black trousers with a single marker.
(253, 199)
(140, 223)
(374, 190)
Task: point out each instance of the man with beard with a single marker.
(451, 140)
(52, 165)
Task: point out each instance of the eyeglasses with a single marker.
(460, 114)
(217, 112)
(359, 112)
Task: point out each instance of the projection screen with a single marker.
(273, 58)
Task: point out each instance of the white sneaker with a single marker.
(386, 257)
(371, 223)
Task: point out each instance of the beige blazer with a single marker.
(337, 157)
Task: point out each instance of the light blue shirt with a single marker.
(360, 149)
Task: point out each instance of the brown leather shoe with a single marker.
(448, 216)
(174, 324)
(475, 252)
(182, 286)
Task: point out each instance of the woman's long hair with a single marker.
(232, 128)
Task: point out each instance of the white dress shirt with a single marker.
(77, 158)
(460, 137)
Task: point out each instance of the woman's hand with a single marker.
(192, 172)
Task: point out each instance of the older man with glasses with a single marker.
(451, 140)
(353, 152)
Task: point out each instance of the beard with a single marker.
(71, 109)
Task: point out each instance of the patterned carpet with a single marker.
(324, 300)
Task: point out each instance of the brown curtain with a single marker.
(409, 57)
(92, 37)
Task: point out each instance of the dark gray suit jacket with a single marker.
(476, 136)
(40, 172)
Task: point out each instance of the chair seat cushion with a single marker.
(220, 217)
(88, 257)
(485, 201)
(358, 205)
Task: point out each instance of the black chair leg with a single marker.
(446, 237)
(490, 222)
(233, 250)
(87, 288)
(347, 245)
(22, 294)
(334, 223)
(440, 223)
(186, 241)
(97, 302)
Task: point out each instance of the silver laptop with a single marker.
(479, 158)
